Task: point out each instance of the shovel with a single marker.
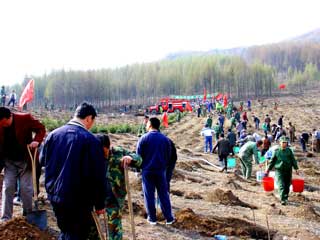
(36, 216)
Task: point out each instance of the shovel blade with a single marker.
(38, 218)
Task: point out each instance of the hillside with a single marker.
(313, 36)
(310, 37)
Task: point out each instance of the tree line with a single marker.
(256, 74)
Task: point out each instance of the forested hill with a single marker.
(313, 36)
(242, 72)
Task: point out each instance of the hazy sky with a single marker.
(40, 35)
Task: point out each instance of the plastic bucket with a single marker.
(231, 162)
(268, 184)
(297, 185)
(236, 149)
(259, 176)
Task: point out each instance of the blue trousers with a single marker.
(208, 142)
(152, 180)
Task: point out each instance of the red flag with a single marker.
(165, 122)
(282, 86)
(188, 107)
(27, 94)
(225, 101)
(219, 96)
(204, 94)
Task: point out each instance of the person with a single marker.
(246, 152)
(317, 139)
(209, 121)
(199, 110)
(267, 120)
(292, 131)
(237, 116)
(75, 175)
(280, 121)
(178, 116)
(283, 161)
(142, 128)
(224, 149)
(245, 117)
(117, 159)
(16, 135)
(232, 137)
(304, 139)
(239, 128)
(221, 120)
(217, 130)
(155, 150)
(249, 104)
(241, 106)
(13, 98)
(265, 145)
(207, 133)
(256, 121)
(3, 96)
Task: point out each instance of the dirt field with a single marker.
(207, 202)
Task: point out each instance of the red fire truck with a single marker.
(171, 105)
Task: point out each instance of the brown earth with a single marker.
(207, 202)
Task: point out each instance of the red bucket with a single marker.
(268, 184)
(297, 185)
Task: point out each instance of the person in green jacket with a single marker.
(118, 158)
(142, 128)
(209, 121)
(217, 131)
(246, 152)
(283, 161)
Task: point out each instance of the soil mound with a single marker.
(185, 151)
(193, 195)
(306, 212)
(187, 219)
(18, 228)
(227, 198)
(176, 192)
(185, 166)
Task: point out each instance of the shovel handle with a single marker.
(34, 176)
(98, 225)
(126, 177)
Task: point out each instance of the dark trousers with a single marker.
(13, 101)
(152, 180)
(74, 223)
(223, 158)
(303, 145)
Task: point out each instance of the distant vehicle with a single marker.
(171, 105)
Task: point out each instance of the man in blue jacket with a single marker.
(155, 150)
(75, 174)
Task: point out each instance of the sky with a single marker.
(38, 36)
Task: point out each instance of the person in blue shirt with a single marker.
(155, 150)
(75, 174)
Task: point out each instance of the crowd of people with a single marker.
(85, 172)
(12, 97)
(273, 142)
